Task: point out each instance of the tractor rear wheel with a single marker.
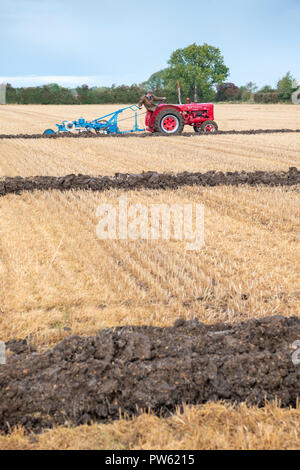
(169, 121)
(207, 126)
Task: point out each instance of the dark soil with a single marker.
(92, 135)
(148, 180)
(85, 379)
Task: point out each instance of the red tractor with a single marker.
(171, 118)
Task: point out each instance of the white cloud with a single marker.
(63, 80)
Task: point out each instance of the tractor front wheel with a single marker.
(169, 121)
(207, 126)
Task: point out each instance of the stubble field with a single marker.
(57, 278)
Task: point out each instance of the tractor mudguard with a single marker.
(151, 115)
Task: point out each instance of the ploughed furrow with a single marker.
(148, 180)
(88, 379)
(80, 135)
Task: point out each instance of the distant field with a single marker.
(55, 273)
(107, 156)
(35, 118)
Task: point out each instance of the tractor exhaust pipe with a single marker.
(179, 93)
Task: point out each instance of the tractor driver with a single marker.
(148, 101)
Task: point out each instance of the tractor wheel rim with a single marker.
(209, 128)
(170, 123)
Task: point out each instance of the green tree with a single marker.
(83, 94)
(285, 87)
(156, 82)
(248, 91)
(11, 94)
(196, 65)
(266, 89)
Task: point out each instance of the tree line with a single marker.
(251, 93)
(200, 70)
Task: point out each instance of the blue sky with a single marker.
(105, 42)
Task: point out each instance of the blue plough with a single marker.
(107, 124)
